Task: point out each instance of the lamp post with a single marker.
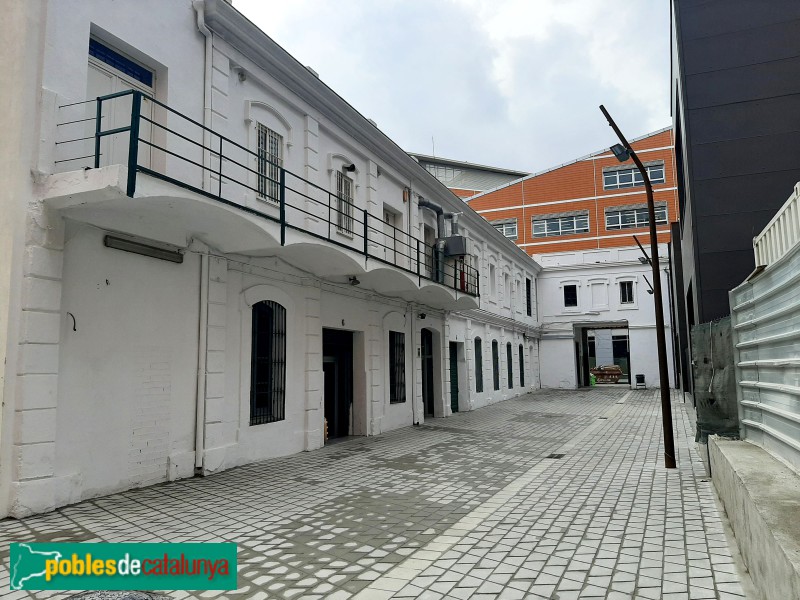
(623, 152)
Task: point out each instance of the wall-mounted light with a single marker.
(422, 316)
(349, 168)
(354, 280)
(169, 253)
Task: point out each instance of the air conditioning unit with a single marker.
(455, 245)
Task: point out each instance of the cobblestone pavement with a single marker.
(555, 495)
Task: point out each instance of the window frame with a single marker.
(639, 214)
(554, 226)
(269, 164)
(478, 347)
(528, 297)
(397, 367)
(345, 203)
(564, 296)
(276, 329)
(521, 366)
(505, 227)
(510, 365)
(495, 365)
(612, 179)
(623, 285)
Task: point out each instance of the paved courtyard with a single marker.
(555, 495)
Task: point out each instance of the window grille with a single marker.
(554, 226)
(624, 178)
(528, 299)
(510, 365)
(570, 295)
(270, 161)
(521, 366)
(397, 367)
(495, 365)
(630, 218)
(344, 203)
(478, 366)
(626, 292)
(268, 364)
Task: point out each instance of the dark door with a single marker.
(337, 369)
(454, 377)
(427, 371)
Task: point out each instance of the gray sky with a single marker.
(508, 83)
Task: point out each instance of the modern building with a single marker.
(736, 113)
(466, 179)
(210, 258)
(578, 221)
(590, 203)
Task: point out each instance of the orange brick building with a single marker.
(593, 202)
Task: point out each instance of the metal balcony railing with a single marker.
(147, 136)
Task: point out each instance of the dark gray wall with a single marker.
(736, 101)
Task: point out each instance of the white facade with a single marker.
(129, 370)
(601, 309)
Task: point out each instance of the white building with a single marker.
(219, 257)
(596, 310)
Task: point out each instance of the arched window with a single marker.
(510, 365)
(521, 366)
(495, 365)
(478, 365)
(268, 363)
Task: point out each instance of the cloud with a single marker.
(513, 83)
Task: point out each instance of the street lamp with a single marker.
(623, 152)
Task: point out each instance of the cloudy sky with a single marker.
(510, 83)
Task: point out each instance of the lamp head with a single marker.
(621, 152)
(643, 260)
(354, 280)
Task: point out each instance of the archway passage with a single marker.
(427, 371)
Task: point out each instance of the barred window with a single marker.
(344, 203)
(397, 367)
(567, 225)
(521, 367)
(268, 364)
(630, 218)
(270, 161)
(495, 365)
(510, 365)
(478, 365)
(624, 178)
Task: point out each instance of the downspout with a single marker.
(202, 346)
(200, 7)
(413, 370)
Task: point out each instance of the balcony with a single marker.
(128, 163)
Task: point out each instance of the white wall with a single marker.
(597, 275)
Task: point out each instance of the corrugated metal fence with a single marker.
(765, 313)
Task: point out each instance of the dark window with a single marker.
(570, 295)
(495, 365)
(270, 161)
(268, 363)
(521, 367)
(510, 366)
(528, 299)
(478, 366)
(120, 63)
(397, 367)
(626, 292)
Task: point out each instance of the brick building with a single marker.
(593, 202)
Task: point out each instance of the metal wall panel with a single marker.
(765, 314)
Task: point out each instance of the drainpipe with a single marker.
(200, 7)
(202, 346)
(413, 369)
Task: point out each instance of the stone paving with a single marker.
(555, 495)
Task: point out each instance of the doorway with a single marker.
(337, 369)
(427, 371)
(454, 377)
